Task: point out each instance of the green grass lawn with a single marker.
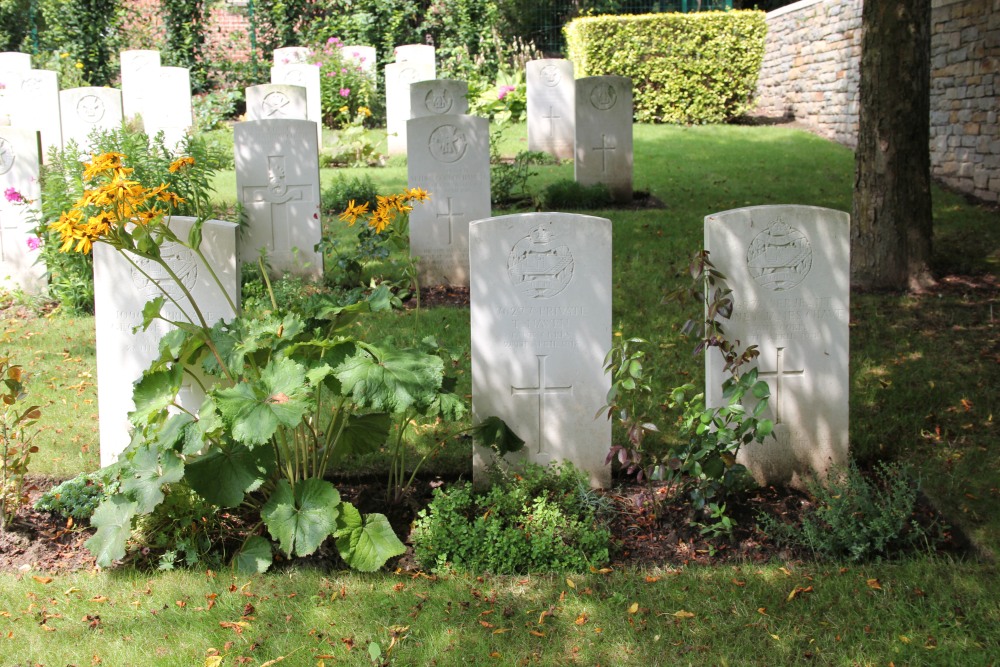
(924, 391)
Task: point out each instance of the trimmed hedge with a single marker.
(685, 68)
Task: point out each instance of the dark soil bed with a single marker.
(42, 542)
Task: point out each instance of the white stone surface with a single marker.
(168, 105)
(84, 110)
(121, 292)
(449, 156)
(789, 269)
(271, 101)
(604, 134)
(307, 76)
(398, 77)
(36, 107)
(551, 107)
(438, 96)
(541, 327)
(138, 70)
(292, 55)
(13, 65)
(277, 182)
(415, 53)
(19, 166)
(362, 56)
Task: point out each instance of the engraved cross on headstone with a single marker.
(279, 194)
(541, 391)
(552, 118)
(450, 215)
(604, 148)
(778, 374)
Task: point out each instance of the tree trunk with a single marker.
(891, 222)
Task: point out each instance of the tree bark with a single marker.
(891, 224)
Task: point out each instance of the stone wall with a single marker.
(811, 73)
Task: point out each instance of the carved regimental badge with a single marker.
(603, 97)
(550, 75)
(447, 144)
(779, 258)
(537, 267)
(438, 100)
(90, 108)
(184, 264)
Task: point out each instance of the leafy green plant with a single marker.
(857, 517)
(509, 178)
(211, 109)
(567, 194)
(354, 145)
(16, 433)
(79, 496)
(346, 89)
(543, 520)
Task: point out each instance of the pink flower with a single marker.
(502, 93)
(343, 70)
(13, 196)
(34, 243)
(344, 92)
(318, 64)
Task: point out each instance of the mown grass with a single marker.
(924, 391)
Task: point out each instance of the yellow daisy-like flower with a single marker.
(180, 163)
(344, 109)
(365, 111)
(380, 219)
(350, 215)
(418, 194)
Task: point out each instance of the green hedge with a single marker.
(685, 68)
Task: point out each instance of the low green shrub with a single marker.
(544, 520)
(77, 497)
(700, 67)
(857, 517)
(568, 194)
(342, 191)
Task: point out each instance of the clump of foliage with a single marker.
(543, 520)
(567, 194)
(79, 496)
(16, 432)
(687, 68)
(857, 517)
(71, 274)
(702, 464)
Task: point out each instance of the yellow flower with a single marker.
(344, 109)
(350, 215)
(102, 163)
(80, 66)
(180, 163)
(418, 194)
(365, 110)
(380, 219)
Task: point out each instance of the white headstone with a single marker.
(541, 327)
(272, 101)
(449, 156)
(19, 162)
(604, 134)
(277, 182)
(398, 77)
(138, 69)
(121, 291)
(415, 53)
(361, 56)
(307, 76)
(551, 107)
(292, 55)
(36, 107)
(168, 105)
(438, 96)
(789, 269)
(84, 110)
(12, 66)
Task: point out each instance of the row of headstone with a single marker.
(19, 181)
(414, 62)
(541, 325)
(588, 120)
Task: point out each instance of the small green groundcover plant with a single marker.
(541, 520)
(857, 517)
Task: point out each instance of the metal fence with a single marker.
(547, 33)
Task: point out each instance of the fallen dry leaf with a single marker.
(536, 633)
(796, 591)
(652, 580)
(581, 619)
(874, 584)
(683, 614)
(634, 608)
(569, 582)
(42, 580)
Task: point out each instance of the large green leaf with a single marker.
(366, 543)
(148, 470)
(154, 392)
(300, 521)
(113, 520)
(363, 433)
(175, 430)
(393, 381)
(254, 411)
(255, 556)
(225, 474)
(494, 433)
